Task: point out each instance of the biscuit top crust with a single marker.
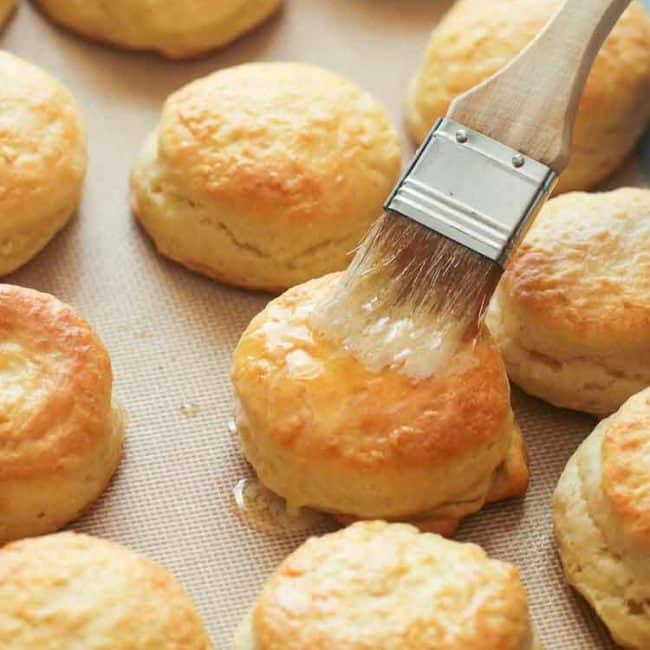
(69, 590)
(305, 391)
(476, 39)
(149, 19)
(378, 585)
(583, 270)
(283, 141)
(626, 468)
(42, 143)
(167, 17)
(55, 385)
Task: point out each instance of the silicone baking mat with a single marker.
(171, 333)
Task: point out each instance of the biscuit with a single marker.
(477, 38)
(572, 311)
(323, 430)
(42, 160)
(175, 29)
(60, 438)
(6, 9)
(67, 590)
(602, 521)
(378, 585)
(265, 175)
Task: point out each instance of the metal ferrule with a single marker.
(473, 190)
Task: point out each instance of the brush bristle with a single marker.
(409, 299)
(414, 266)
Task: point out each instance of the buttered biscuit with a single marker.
(572, 311)
(324, 430)
(265, 175)
(42, 160)
(175, 29)
(386, 586)
(602, 521)
(67, 591)
(60, 438)
(478, 38)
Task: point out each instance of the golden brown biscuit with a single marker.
(378, 585)
(478, 38)
(323, 430)
(175, 29)
(42, 160)
(572, 311)
(69, 591)
(60, 439)
(602, 521)
(265, 175)
(6, 8)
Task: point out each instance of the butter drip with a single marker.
(265, 511)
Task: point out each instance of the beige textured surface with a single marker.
(171, 333)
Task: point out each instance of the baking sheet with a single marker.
(171, 333)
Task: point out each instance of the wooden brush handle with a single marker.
(531, 104)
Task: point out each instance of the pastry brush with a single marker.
(477, 182)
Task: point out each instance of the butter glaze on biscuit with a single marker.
(378, 585)
(60, 438)
(572, 312)
(323, 430)
(602, 521)
(67, 591)
(477, 38)
(175, 29)
(265, 175)
(42, 160)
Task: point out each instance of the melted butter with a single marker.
(21, 378)
(189, 410)
(265, 511)
(384, 333)
(301, 365)
(286, 329)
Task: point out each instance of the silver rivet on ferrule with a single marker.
(461, 136)
(518, 160)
